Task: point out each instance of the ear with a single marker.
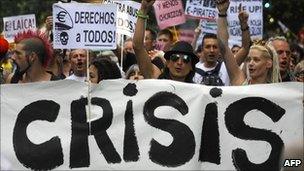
(269, 63)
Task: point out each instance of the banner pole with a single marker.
(89, 91)
(175, 32)
(121, 52)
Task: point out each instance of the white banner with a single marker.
(149, 125)
(13, 25)
(84, 25)
(126, 16)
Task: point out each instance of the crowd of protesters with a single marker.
(157, 55)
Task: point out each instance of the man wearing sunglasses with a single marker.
(180, 63)
(180, 59)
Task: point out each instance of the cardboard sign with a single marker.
(255, 10)
(13, 25)
(169, 13)
(149, 125)
(84, 25)
(204, 9)
(126, 16)
(253, 7)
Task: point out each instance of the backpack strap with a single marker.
(217, 68)
(200, 72)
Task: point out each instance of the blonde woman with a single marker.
(262, 60)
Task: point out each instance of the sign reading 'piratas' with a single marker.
(149, 124)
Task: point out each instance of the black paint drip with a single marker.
(216, 92)
(130, 90)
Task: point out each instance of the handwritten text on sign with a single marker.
(169, 13)
(15, 24)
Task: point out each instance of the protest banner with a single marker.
(84, 25)
(203, 9)
(149, 125)
(13, 25)
(126, 16)
(255, 22)
(169, 13)
(252, 7)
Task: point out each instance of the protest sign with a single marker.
(84, 25)
(255, 10)
(204, 9)
(126, 16)
(149, 124)
(13, 25)
(169, 13)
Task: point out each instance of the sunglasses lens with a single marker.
(174, 57)
(186, 59)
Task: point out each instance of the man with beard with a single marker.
(282, 48)
(31, 56)
(78, 60)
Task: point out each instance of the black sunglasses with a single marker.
(186, 58)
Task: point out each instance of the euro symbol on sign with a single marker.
(61, 15)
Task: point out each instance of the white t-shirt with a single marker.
(222, 73)
(76, 78)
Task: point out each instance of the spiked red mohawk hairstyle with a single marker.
(48, 48)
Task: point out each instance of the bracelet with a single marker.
(245, 29)
(140, 14)
(222, 15)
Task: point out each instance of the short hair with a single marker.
(281, 38)
(199, 48)
(153, 33)
(166, 32)
(132, 69)
(234, 46)
(208, 36)
(38, 42)
(106, 69)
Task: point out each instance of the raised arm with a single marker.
(197, 33)
(243, 52)
(236, 75)
(142, 57)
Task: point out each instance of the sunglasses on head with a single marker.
(185, 58)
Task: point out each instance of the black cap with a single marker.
(182, 47)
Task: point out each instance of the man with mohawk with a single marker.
(32, 54)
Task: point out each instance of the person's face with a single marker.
(258, 65)
(136, 75)
(128, 47)
(179, 66)
(300, 76)
(78, 59)
(148, 41)
(210, 50)
(283, 51)
(93, 74)
(235, 50)
(20, 58)
(164, 41)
